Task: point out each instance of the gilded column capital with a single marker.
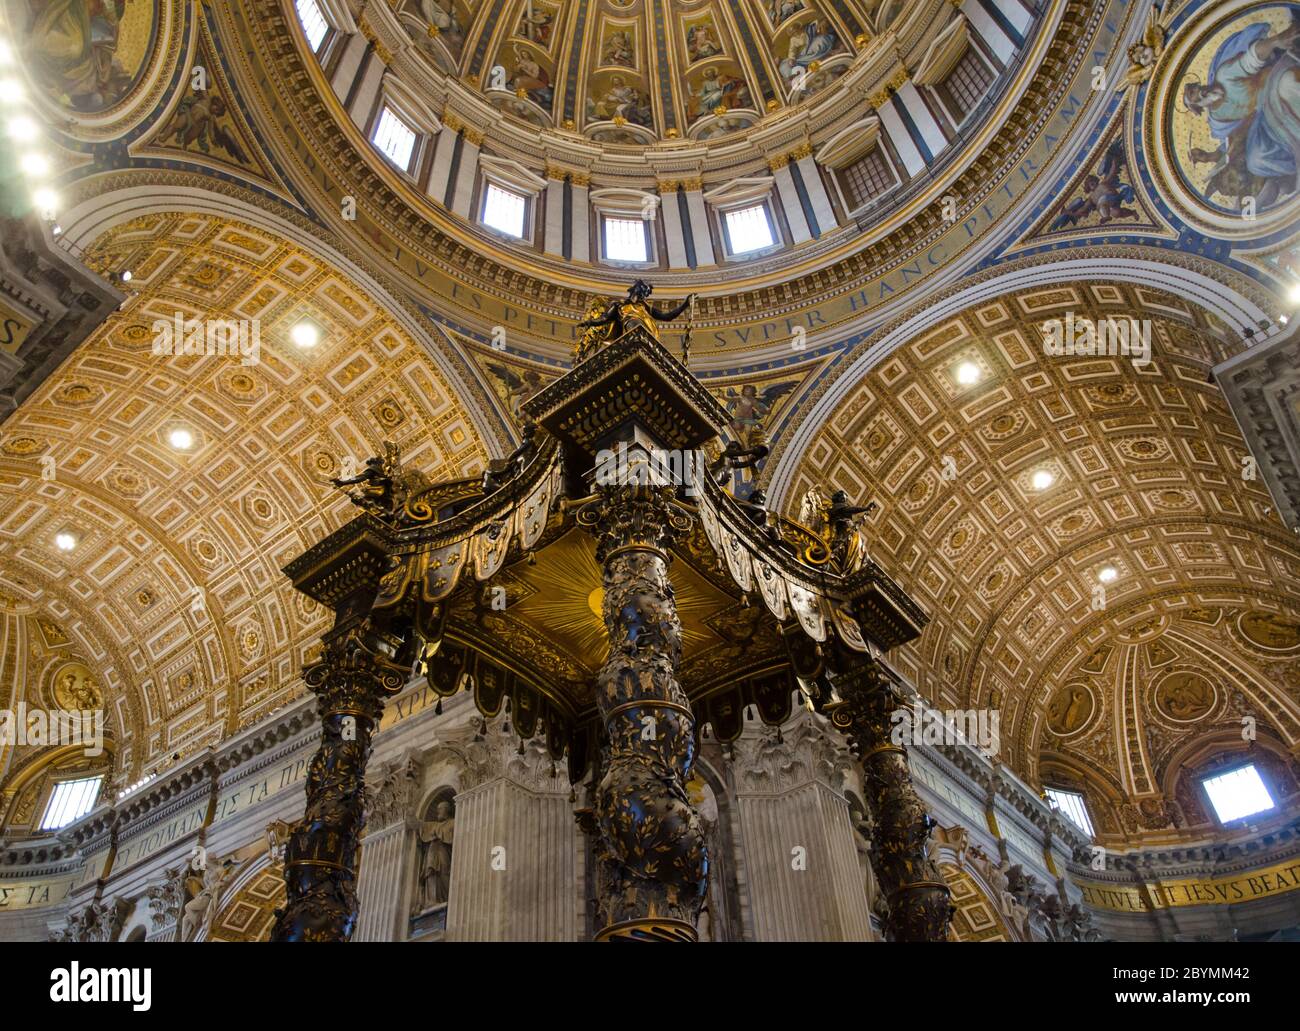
(693, 185)
(889, 87)
(778, 162)
(472, 135)
(582, 179)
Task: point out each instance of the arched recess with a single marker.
(1147, 268)
(721, 920)
(1144, 475)
(246, 910)
(1224, 748)
(27, 789)
(98, 213)
(976, 916)
(28, 597)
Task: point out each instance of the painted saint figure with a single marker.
(617, 49)
(72, 47)
(1251, 100)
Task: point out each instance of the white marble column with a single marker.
(989, 30)
(382, 884)
(580, 221)
(372, 77)
(345, 72)
(900, 137)
(790, 202)
(922, 118)
(673, 229)
(804, 878)
(816, 187)
(463, 190)
(699, 224)
(513, 864)
(443, 148)
(553, 238)
(384, 880)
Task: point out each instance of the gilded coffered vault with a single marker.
(1145, 467)
(173, 585)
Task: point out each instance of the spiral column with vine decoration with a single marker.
(351, 681)
(652, 864)
(917, 896)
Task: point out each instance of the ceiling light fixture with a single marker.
(968, 373)
(11, 91)
(65, 541)
(1043, 479)
(1107, 573)
(22, 129)
(34, 164)
(181, 439)
(305, 334)
(1294, 295)
(46, 202)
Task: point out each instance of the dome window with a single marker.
(1237, 793)
(314, 25)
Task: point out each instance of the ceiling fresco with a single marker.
(632, 72)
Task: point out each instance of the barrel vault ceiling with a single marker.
(173, 593)
(1200, 627)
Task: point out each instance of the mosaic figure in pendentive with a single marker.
(1102, 193)
(1240, 95)
(197, 120)
(749, 408)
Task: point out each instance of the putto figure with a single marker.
(636, 310)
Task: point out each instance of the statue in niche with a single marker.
(706, 805)
(203, 886)
(435, 834)
(636, 310)
(863, 832)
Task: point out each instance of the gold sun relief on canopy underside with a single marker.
(563, 598)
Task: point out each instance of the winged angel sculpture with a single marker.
(385, 486)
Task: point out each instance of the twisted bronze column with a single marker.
(914, 888)
(320, 867)
(652, 865)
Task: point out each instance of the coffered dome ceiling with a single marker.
(173, 590)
